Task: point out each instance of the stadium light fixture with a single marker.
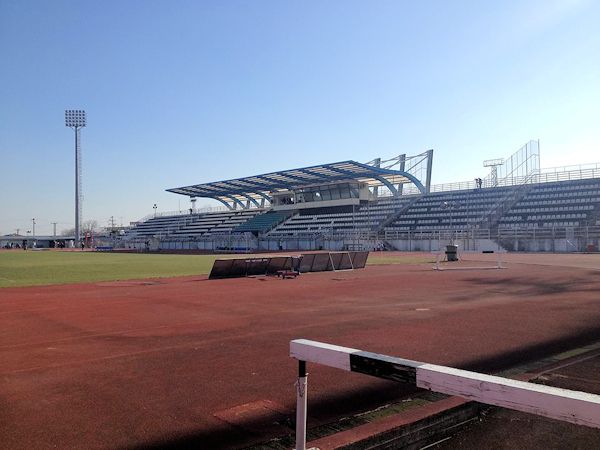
(76, 119)
(493, 164)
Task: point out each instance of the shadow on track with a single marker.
(332, 408)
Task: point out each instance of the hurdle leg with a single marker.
(499, 260)
(437, 261)
(301, 394)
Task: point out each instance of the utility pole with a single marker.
(54, 225)
(18, 229)
(33, 227)
(112, 223)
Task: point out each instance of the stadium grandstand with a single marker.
(390, 205)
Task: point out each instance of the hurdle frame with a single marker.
(498, 265)
(349, 258)
(576, 407)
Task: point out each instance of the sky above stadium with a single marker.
(187, 92)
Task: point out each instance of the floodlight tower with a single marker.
(75, 119)
(493, 163)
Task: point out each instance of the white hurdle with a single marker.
(341, 270)
(499, 264)
(575, 407)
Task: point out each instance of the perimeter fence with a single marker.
(533, 239)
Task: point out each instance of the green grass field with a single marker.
(37, 268)
(47, 267)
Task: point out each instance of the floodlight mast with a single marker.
(76, 119)
(494, 164)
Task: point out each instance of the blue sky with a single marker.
(183, 92)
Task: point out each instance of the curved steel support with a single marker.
(411, 177)
(251, 200)
(416, 182)
(387, 184)
(224, 202)
(236, 201)
(263, 195)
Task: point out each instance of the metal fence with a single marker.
(550, 239)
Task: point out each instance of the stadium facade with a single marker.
(388, 205)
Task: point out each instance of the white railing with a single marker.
(571, 168)
(552, 175)
(585, 233)
(582, 173)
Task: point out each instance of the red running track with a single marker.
(187, 361)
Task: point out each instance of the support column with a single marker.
(429, 168)
(376, 163)
(77, 188)
(402, 167)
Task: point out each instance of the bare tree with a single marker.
(68, 232)
(89, 226)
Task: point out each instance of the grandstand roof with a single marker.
(260, 186)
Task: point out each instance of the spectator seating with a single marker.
(161, 225)
(261, 223)
(453, 209)
(560, 204)
(192, 224)
(363, 218)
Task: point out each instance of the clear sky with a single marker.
(182, 92)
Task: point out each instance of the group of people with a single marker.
(12, 245)
(26, 245)
(478, 182)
